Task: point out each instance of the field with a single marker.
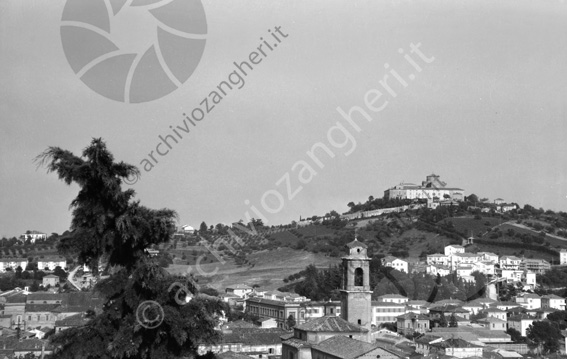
(267, 268)
(468, 225)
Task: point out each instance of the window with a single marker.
(331, 310)
(359, 322)
(358, 277)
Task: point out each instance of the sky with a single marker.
(485, 111)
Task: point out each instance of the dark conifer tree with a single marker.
(142, 315)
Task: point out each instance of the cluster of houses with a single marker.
(356, 326)
(510, 269)
(46, 263)
(25, 318)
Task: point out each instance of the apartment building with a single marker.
(539, 266)
(386, 312)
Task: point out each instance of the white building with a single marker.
(512, 275)
(464, 271)
(510, 262)
(484, 267)
(521, 323)
(13, 263)
(50, 263)
(386, 312)
(462, 259)
(563, 257)
(396, 263)
(33, 236)
(530, 279)
(392, 298)
(488, 256)
(529, 300)
(454, 249)
(187, 229)
(239, 289)
(553, 301)
(437, 258)
(440, 269)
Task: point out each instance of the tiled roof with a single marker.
(343, 347)
(239, 286)
(270, 301)
(45, 296)
(426, 339)
(30, 308)
(231, 355)
(356, 243)
(72, 321)
(493, 310)
(254, 336)
(472, 305)
(491, 319)
(17, 298)
(387, 304)
(519, 317)
(506, 304)
(448, 308)
(322, 303)
(466, 255)
(455, 343)
(531, 295)
(238, 324)
(297, 343)
(330, 324)
(286, 336)
(410, 316)
(392, 296)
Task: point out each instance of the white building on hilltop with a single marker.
(431, 188)
(33, 236)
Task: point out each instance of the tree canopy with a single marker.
(107, 223)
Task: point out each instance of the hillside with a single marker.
(268, 256)
(264, 268)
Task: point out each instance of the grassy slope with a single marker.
(267, 268)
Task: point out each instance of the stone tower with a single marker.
(356, 306)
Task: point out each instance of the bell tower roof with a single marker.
(355, 244)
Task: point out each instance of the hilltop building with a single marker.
(33, 236)
(430, 189)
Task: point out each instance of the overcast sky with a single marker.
(487, 112)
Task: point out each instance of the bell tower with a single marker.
(356, 306)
